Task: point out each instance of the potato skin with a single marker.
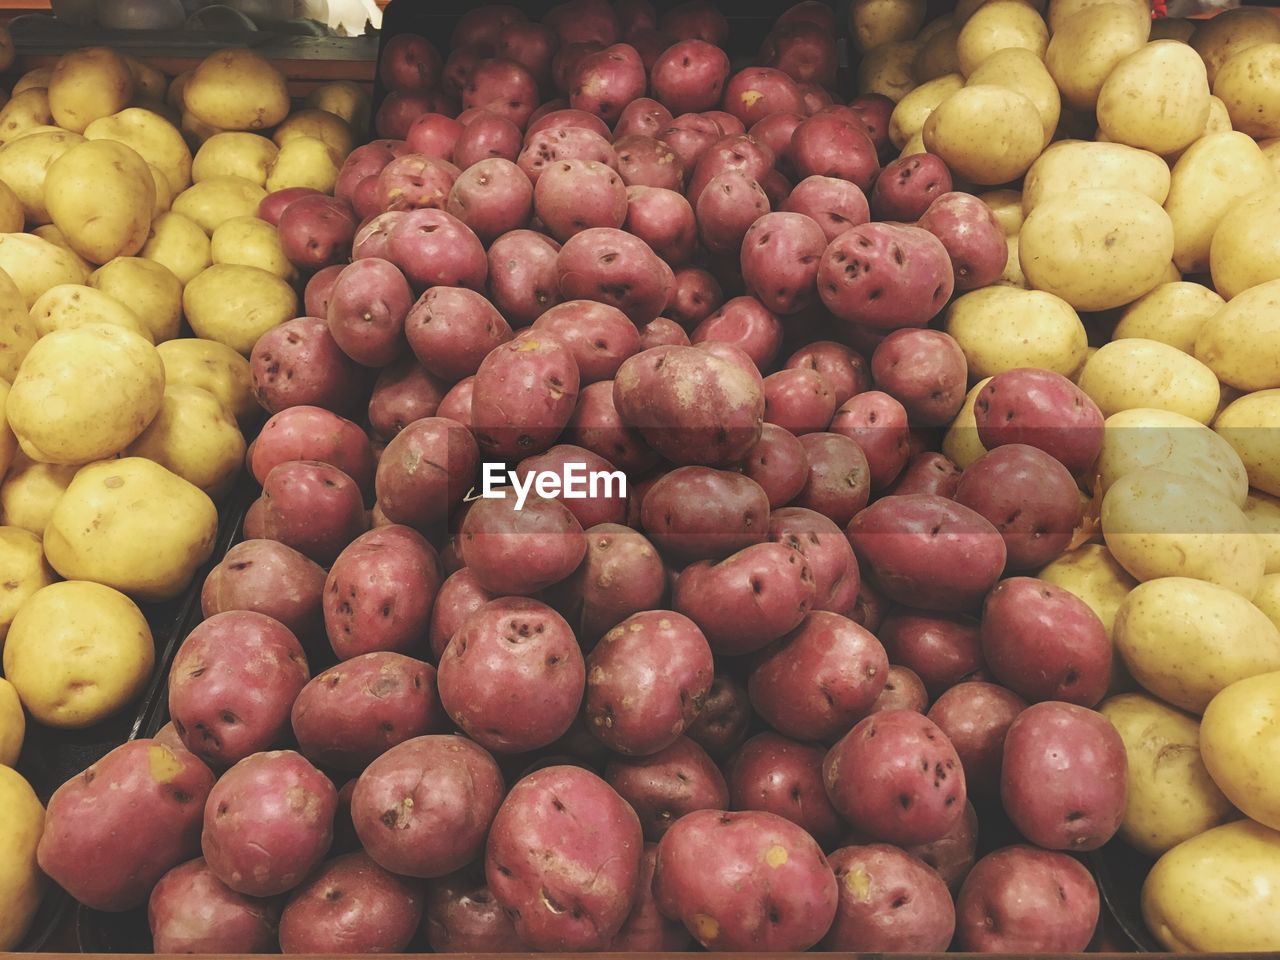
(521, 551)
(425, 471)
(696, 513)
(873, 881)
(192, 911)
(646, 930)
(976, 716)
(525, 392)
(313, 507)
(725, 718)
(351, 905)
(462, 916)
(784, 777)
(1041, 409)
(910, 277)
(621, 574)
(665, 786)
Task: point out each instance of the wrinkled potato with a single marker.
(1021, 70)
(153, 138)
(1172, 313)
(1250, 426)
(151, 290)
(101, 195)
(250, 242)
(304, 162)
(215, 367)
(235, 154)
(36, 265)
(235, 304)
(236, 89)
(1087, 46)
(74, 305)
(24, 164)
(212, 201)
(1004, 328)
(87, 85)
(178, 244)
(986, 134)
(195, 437)
(27, 572)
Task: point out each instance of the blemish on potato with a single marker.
(705, 928)
(776, 856)
(858, 883)
(163, 763)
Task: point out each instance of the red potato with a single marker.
(487, 137)
(503, 87)
(596, 426)
(779, 464)
(941, 649)
(452, 329)
(870, 608)
(274, 204)
(492, 197)
(889, 901)
(462, 916)
(664, 220)
(312, 507)
(192, 911)
(268, 578)
(885, 276)
(804, 51)
(425, 471)
(726, 716)
(300, 364)
(414, 181)
(252, 527)
(433, 135)
(521, 551)
(925, 371)
(780, 255)
(621, 574)
(820, 679)
(522, 275)
(459, 596)
(827, 552)
(532, 45)
(754, 93)
(839, 481)
(903, 690)
(973, 238)
(319, 289)
(798, 400)
(456, 404)
(728, 153)
(558, 115)
(928, 551)
(689, 76)
(734, 355)
(1023, 900)
(268, 823)
(436, 249)
(602, 487)
(896, 778)
(310, 433)
(729, 124)
(351, 905)
(400, 108)
(690, 136)
(484, 24)
(647, 162)
(317, 231)
(409, 62)
(746, 323)
(697, 19)
(696, 513)
(365, 162)
(976, 716)
(576, 195)
(584, 21)
(1064, 777)
(662, 332)
(927, 472)
(1029, 497)
(954, 855)
(600, 337)
(696, 295)
(91, 846)
(642, 117)
(636, 15)
(646, 681)
(367, 309)
(604, 82)
(827, 145)
(834, 204)
(615, 268)
(374, 237)
(232, 684)
(843, 369)
(422, 809)
(564, 859)
(404, 392)
(726, 208)
(907, 187)
(554, 144)
(665, 786)
(783, 777)
(745, 881)
(1041, 409)
(878, 423)
(646, 930)
(525, 392)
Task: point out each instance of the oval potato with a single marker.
(196, 438)
(1006, 205)
(1251, 425)
(153, 138)
(1086, 47)
(22, 559)
(1249, 86)
(252, 243)
(1000, 25)
(1062, 10)
(211, 202)
(22, 885)
(986, 134)
(152, 289)
(72, 305)
(25, 112)
(214, 367)
(888, 69)
(30, 492)
(1245, 249)
(1241, 342)
(1135, 373)
(936, 54)
(1156, 99)
(246, 155)
(236, 89)
(1150, 439)
(87, 85)
(909, 116)
(1070, 166)
(1172, 313)
(876, 22)
(235, 304)
(1220, 38)
(36, 265)
(321, 125)
(304, 162)
(24, 164)
(1239, 739)
(1003, 328)
(101, 195)
(179, 245)
(345, 99)
(1023, 72)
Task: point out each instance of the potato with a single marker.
(87, 85)
(214, 200)
(1193, 900)
(13, 724)
(937, 51)
(1006, 206)
(1218, 39)
(909, 116)
(37, 78)
(1121, 243)
(236, 89)
(1004, 328)
(22, 885)
(304, 162)
(12, 213)
(1134, 373)
(1248, 84)
(1237, 737)
(885, 69)
(27, 111)
(149, 84)
(24, 164)
(191, 910)
(985, 134)
(318, 124)
(195, 130)
(215, 367)
(961, 443)
(178, 244)
(1229, 340)
(8, 442)
(345, 99)
(1021, 70)
(234, 304)
(17, 332)
(1214, 172)
(71, 305)
(153, 138)
(1164, 73)
(36, 265)
(164, 195)
(1088, 45)
(1158, 524)
(1244, 251)
(874, 22)
(1172, 313)
(26, 573)
(245, 155)
(1268, 597)
(195, 437)
(1249, 425)
(1263, 513)
(154, 529)
(1000, 25)
(1160, 439)
(30, 491)
(1069, 166)
(250, 242)
(101, 195)
(152, 291)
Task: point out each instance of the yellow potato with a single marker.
(1172, 313)
(1249, 86)
(1062, 10)
(53, 235)
(1245, 250)
(1252, 426)
(235, 304)
(85, 393)
(1012, 275)
(1209, 178)
(1271, 150)
(77, 653)
(1263, 513)
(1070, 166)
(22, 885)
(1003, 328)
(1220, 38)
(13, 725)
(25, 572)
(25, 163)
(251, 242)
(1268, 597)
(24, 112)
(886, 69)
(985, 134)
(211, 202)
(196, 131)
(177, 91)
(1134, 373)
(8, 442)
(914, 145)
(1239, 343)
(1096, 249)
(937, 55)
(87, 85)
(1000, 25)
(12, 214)
(246, 155)
(1156, 98)
(149, 84)
(1145, 439)
(179, 245)
(320, 125)
(1158, 524)
(150, 287)
(17, 332)
(345, 99)
(195, 437)
(1007, 207)
(154, 531)
(33, 79)
(1086, 47)
(35, 265)
(164, 196)
(876, 22)
(305, 162)
(153, 138)
(1171, 796)
(214, 367)
(961, 443)
(1023, 72)
(1238, 737)
(30, 492)
(101, 195)
(1092, 574)
(913, 110)
(74, 305)
(237, 89)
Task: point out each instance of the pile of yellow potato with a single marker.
(1145, 216)
(130, 256)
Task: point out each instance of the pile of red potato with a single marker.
(697, 712)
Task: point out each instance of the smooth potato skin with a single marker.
(874, 881)
(622, 574)
(267, 577)
(521, 551)
(192, 911)
(351, 905)
(953, 855)
(941, 649)
(522, 275)
(726, 716)
(564, 839)
(925, 371)
(1041, 409)
(607, 505)
(784, 777)
(313, 507)
(613, 267)
(525, 391)
(599, 336)
(425, 471)
(666, 785)
(312, 433)
(646, 930)
(696, 513)
(879, 424)
(839, 482)
(976, 716)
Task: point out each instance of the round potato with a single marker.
(1092, 574)
(1220, 38)
(251, 242)
(1158, 524)
(78, 652)
(1249, 86)
(35, 265)
(1171, 796)
(30, 492)
(1168, 74)
(214, 367)
(13, 725)
(236, 89)
(887, 69)
(320, 124)
(909, 116)
(26, 112)
(25, 572)
(149, 84)
(153, 528)
(1021, 70)
(1229, 340)
(1003, 328)
(33, 79)
(1245, 250)
(961, 443)
(153, 138)
(345, 99)
(1086, 47)
(1150, 439)
(304, 162)
(986, 134)
(180, 245)
(101, 195)
(1060, 11)
(24, 164)
(195, 437)
(1000, 25)
(1252, 426)
(1135, 373)
(74, 305)
(235, 304)
(876, 22)
(17, 332)
(1238, 737)
(1263, 513)
(88, 84)
(211, 202)
(1172, 313)
(151, 288)
(245, 155)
